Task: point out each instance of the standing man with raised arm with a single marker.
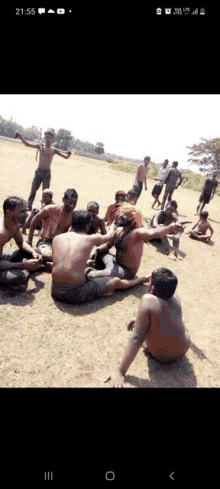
(43, 172)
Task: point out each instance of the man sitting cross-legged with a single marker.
(70, 282)
(15, 266)
(129, 241)
(159, 325)
(56, 219)
(202, 226)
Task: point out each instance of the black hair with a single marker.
(80, 219)
(175, 163)
(132, 193)
(204, 214)
(173, 203)
(167, 161)
(49, 132)
(146, 158)
(12, 202)
(120, 192)
(71, 194)
(94, 204)
(165, 282)
(48, 192)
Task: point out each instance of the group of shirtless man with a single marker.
(81, 264)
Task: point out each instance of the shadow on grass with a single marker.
(161, 249)
(101, 302)
(178, 373)
(217, 222)
(21, 298)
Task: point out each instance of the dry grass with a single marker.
(50, 344)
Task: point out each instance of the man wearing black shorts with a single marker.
(159, 182)
(208, 191)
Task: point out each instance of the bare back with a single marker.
(166, 337)
(70, 254)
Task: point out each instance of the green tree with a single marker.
(63, 139)
(206, 154)
(99, 148)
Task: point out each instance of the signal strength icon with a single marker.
(196, 12)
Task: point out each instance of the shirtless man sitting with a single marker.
(47, 199)
(96, 224)
(129, 241)
(202, 226)
(163, 218)
(71, 251)
(56, 219)
(159, 325)
(14, 266)
(43, 173)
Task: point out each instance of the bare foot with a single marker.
(23, 231)
(171, 256)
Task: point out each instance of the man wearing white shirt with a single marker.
(159, 182)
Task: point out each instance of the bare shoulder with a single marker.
(148, 301)
(175, 303)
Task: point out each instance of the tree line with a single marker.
(62, 139)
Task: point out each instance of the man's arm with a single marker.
(180, 180)
(141, 328)
(211, 230)
(144, 235)
(22, 245)
(102, 226)
(213, 193)
(64, 154)
(26, 143)
(40, 216)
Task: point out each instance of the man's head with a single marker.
(214, 174)
(15, 208)
(132, 196)
(171, 207)
(120, 196)
(175, 164)
(163, 283)
(128, 216)
(93, 208)
(81, 221)
(165, 163)
(70, 199)
(47, 196)
(203, 215)
(48, 136)
(147, 160)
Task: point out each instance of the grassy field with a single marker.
(50, 344)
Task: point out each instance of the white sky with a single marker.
(159, 126)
